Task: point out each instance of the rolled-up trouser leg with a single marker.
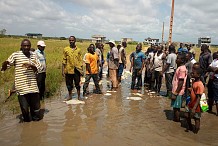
(113, 77)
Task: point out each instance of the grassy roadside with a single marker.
(54, 49)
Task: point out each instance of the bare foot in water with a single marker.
(68, 98)
(81, 99)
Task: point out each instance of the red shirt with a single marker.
(197, 88)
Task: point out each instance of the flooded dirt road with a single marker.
(107, 120)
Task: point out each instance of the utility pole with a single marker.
(171, 24)
(163, 34)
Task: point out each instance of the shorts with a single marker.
(73, 79)
(197, 115)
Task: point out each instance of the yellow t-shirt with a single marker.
(92, 59)
(72, 58)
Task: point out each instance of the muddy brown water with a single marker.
(107, 120)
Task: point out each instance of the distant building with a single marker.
(126, 40)
(98, 39)
(34, 35)
(204, 40)
(151, 41)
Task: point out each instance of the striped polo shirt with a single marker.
(25, 79)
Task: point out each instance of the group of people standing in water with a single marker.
(184, 76)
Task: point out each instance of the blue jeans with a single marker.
(120, 69)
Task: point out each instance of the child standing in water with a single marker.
(179, 83)
(194, 109)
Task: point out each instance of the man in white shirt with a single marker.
(41, 75)
(122, 60)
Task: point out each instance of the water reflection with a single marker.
(107, 120)
(33, 133)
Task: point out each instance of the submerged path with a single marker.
(106, 120)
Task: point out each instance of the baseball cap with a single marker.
(41, 43)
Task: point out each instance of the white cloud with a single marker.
(112, 18)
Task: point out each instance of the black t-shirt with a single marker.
(205, 60)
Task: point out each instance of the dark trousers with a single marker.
(169, 80)
(157, 81)
(187, 86)
(146, 77)
(41, 84)
(210, 94)
(152, 80)
(31, 101)
(100, 72)
(73, 78)
(136, 75)
(87, 80)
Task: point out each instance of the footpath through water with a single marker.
(134, 118)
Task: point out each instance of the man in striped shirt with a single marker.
(26, 65)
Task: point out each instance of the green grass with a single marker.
(53, 50)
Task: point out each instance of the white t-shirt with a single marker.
(193, 61)
(158, 62)
(171, 60)
(214, 64)
(98, 52)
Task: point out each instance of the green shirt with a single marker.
(72, 58)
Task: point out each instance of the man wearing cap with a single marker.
(41, 75)
(113, 64)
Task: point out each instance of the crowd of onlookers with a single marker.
(185, 78)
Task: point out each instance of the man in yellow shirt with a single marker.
(72, 67)
(92, 64)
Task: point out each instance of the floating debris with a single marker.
(111, 91)
(134, 98)
(139, 94)
(74, 101)
(107, 94)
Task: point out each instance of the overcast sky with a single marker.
(115, 19)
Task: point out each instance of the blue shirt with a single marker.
(138, 58)
(41, 56)
(182, 50)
